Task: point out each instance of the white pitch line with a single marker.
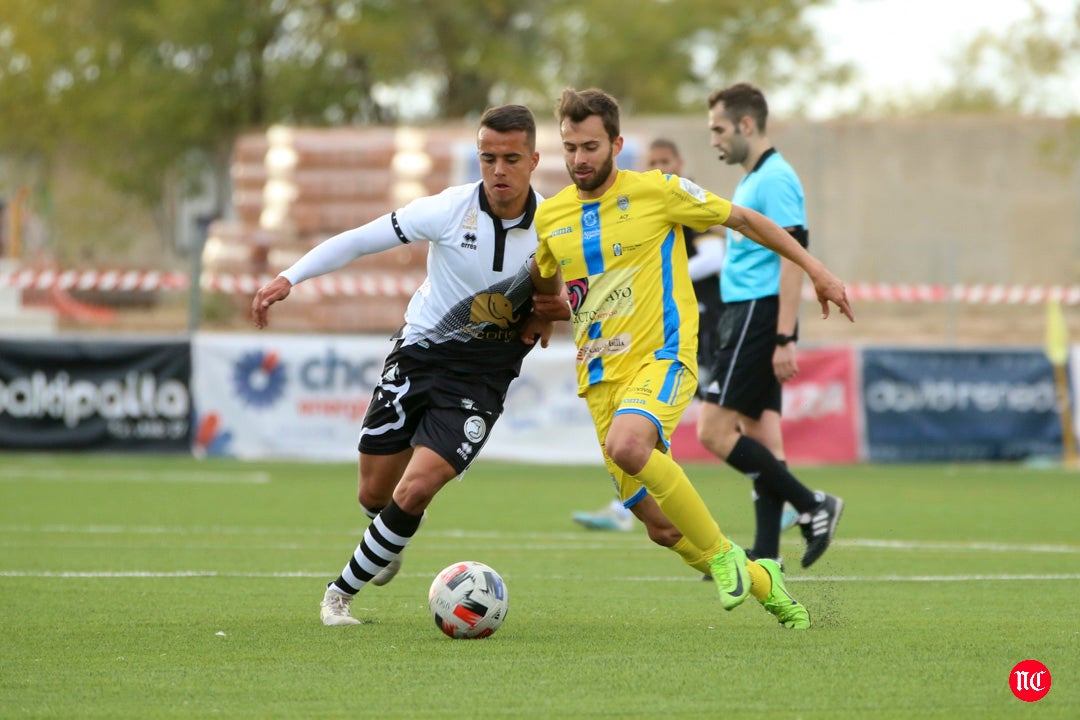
(975, 545)
(583, 540)
(154, 575)
(136, 476)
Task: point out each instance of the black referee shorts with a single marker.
(741, 373)
(420, 402)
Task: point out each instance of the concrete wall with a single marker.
(943, 200)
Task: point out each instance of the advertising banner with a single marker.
(544, 420)
(283, 396)
(95, 395)
(304, 397)
(958, 405)
(820, 417)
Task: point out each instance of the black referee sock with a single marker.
(754, 459)
(768, 509)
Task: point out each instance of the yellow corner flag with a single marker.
(1057, 350)
(1057, 336)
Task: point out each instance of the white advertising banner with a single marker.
(304, 397)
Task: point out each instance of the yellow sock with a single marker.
(675, 494)
(692, 555)
(760, 582)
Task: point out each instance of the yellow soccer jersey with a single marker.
(623, 259)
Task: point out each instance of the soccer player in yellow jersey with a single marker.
(615, 238)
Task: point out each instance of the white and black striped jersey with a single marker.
(477, 291)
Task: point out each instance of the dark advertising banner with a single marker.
(95, 395)
(959, 405)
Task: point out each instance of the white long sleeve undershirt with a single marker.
(709, 258)
(338, 251)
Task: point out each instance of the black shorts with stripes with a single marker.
(421, 402)
(741, 373)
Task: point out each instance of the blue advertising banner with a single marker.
(95, 395)
(959, 405)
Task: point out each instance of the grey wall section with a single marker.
(969, 200)
(964, 200)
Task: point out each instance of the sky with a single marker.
(906, 44)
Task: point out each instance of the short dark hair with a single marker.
(576, 106)
(506, 118)
(665, 144)
(740, 100)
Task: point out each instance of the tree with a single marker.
(148, 94)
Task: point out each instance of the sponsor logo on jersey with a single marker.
(468, 241)
(562, 231)
(577, 290)
(492, 318)
(492, 308)
(692, 189)
(618, 302)
(603, 347)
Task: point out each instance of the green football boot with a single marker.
(780, 603)
(732, 579)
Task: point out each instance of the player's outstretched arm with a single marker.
(270, 293)
(331, 254)
(764, 231)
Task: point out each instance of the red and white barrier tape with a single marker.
(367, 285)
(394, 285)
(968, 294)
(118, 280)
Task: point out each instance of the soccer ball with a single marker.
(468, 600)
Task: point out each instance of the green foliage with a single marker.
(170, 588)
(133, 88)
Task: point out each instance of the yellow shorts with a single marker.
(660, 391)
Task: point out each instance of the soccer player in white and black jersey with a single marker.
(466, 331)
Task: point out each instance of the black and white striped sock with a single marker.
(385, 538)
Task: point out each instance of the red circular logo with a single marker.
(1029, 680)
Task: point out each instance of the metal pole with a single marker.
(194, 284)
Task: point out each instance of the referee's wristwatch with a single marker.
(782, 339)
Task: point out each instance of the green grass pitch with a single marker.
(165, 587)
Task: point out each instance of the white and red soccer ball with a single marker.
(468, 600)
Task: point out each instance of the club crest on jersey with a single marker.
(469, 221)
(623, 202)
(468, 241)
(616, 249)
